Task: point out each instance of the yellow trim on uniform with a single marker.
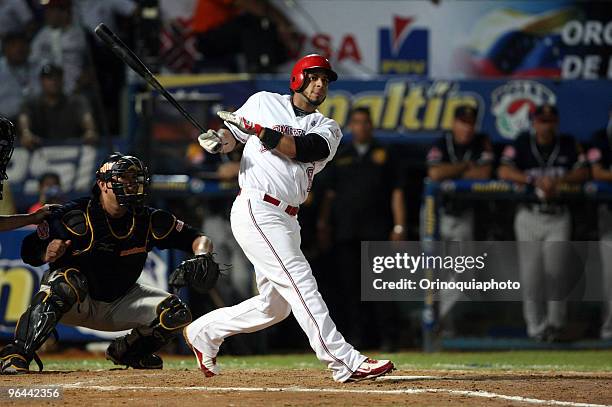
(165, 327)
(64, 273)
(167, 233)
(88, 223)
(72, 231)
(116, 236)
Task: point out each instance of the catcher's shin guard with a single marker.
(62, 290)
(136, 348)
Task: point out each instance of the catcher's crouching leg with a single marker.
(136, 348)
(63, 288)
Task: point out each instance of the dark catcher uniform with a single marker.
(93, 284)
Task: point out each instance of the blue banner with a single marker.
(406, 110)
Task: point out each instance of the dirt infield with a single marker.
(314, 387)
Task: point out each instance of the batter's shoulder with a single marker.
(265, 95)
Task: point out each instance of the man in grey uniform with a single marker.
(600, 158)
(543, 158)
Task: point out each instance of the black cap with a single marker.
(466, 113)
(51, 70)
(546, 112)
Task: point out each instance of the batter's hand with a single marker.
(240, 122)
(56, 249)
(211, 141)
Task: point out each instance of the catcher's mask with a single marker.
(7, 145)
(129, 179)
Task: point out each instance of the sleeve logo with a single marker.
(42, 230)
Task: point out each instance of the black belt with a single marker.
(547, 209)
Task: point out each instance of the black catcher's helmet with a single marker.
(128, 178)
(7, 145)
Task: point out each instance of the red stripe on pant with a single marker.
(297, 291)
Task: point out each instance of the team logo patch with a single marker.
(179, 225)
(434, 154)
(379, 156)
(594, 155)
(513, 104)
(42, 230)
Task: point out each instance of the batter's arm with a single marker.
(10, 222)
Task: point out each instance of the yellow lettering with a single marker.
(432, 113)
(395, 93)
(336, 107)
(403, 67)
(21, 285)
(412, 104)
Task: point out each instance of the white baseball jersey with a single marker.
(272, 172)
(270, 238)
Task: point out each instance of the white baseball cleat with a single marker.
(371, 368)
(207, 365)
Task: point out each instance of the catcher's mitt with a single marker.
(200, 273)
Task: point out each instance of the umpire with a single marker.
(545, 159)
(96, 248)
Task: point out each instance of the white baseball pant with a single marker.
(271, 240)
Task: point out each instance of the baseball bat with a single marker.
(127, 55)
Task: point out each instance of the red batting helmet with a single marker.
(312, 61)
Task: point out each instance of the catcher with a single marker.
(96, 248)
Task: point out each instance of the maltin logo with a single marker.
(513, 103)
(404, 49)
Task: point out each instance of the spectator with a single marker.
(378, 202)
(18, 76)
(54, 116)
(15, 15)
(460, 153)
(543, 158)
(61, 41)
(600, 158)
(253, 28)
(118, 15)
(93, 12)
(49, 191)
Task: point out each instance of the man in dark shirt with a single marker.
(53, 115)
(545, 159)
(96, 248)
(460, 153)
(364, 201)
(600, 158)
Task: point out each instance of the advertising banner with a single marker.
(412, 110)
(459, 39)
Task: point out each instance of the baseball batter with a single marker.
(287, 142)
